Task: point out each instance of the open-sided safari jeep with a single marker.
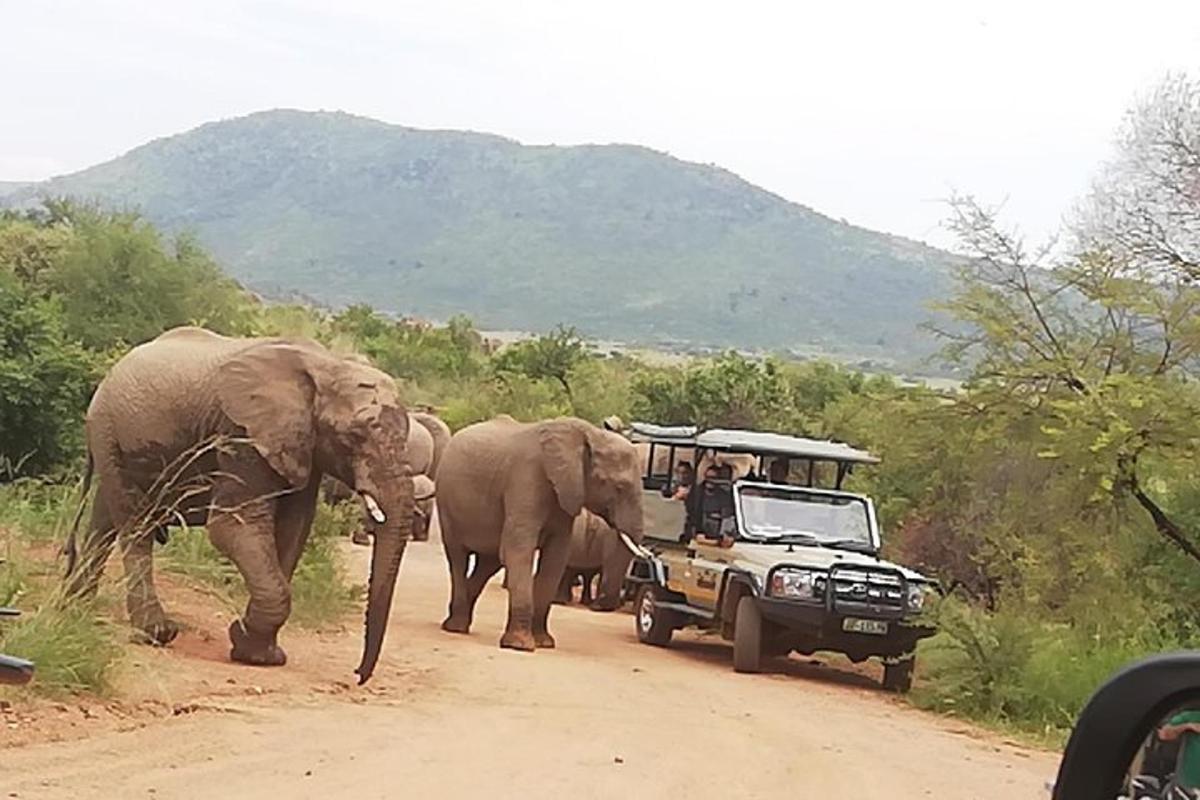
(775, 565)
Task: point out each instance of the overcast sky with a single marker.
(871, 111)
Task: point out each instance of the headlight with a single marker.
(795, 584)
(920, 595)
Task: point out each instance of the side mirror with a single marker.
(1134, 738)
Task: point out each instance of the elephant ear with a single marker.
(566, 456)
(268, 390)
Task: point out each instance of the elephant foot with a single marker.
(544, 641)
(605, 605)
(159, 632)
(360, 537)
(518, 640)
(452, 625)
(250, 649)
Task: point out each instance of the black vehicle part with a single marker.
(898, 675)
(655, 624)
(14, 671)
(747, 636)
(1117, 719)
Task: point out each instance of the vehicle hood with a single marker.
(758, 558)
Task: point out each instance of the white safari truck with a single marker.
(774, 564)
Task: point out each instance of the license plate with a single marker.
(872, 626)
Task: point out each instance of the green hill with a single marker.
(621, 241)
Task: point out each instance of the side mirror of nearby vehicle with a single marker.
(1135, 738)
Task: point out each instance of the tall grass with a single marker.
(74, 648)
(1011, 670)
(40, 511)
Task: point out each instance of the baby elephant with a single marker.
(508, 491)
(596, 549)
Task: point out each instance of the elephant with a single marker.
(508, 490)
(427, 439)
(596, 549)
(334, 491)
(198, 428)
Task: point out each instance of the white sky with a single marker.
(872, 111)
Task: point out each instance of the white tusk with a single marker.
(373, 509)
(633, 546)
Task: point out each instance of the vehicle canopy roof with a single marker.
(755, 442)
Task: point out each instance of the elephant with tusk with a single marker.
(235, 434)
(507, 491)
(427, 440)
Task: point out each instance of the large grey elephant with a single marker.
(509, 490)
(596, 549)
(235, 434)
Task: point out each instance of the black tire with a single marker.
(654, 624)
(747, 636)
(898, 676)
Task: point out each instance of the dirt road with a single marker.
(601, 716)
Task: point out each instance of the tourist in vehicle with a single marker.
(779, 470)
(685, 476)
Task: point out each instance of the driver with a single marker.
(710, 510)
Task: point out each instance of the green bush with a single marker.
(73, 649)
(1013, 669)
(40, 511)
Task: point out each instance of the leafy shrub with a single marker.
(74, 649)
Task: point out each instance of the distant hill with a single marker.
(621, 241)
(11, 187)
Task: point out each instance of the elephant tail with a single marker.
(70, 547)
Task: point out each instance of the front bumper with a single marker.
(809, 627)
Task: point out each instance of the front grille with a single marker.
(856, 590)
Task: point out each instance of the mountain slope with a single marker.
(621, 241)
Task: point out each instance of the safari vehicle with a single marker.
(776, 566)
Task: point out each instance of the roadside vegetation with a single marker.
(1054, 494)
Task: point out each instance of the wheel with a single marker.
(898, 677)
(747, 636)
(654, 625)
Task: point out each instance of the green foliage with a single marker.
(74, 648)
(121, 285)
(45, 379)
(1008, 668)
(40, 510)
(553, 356)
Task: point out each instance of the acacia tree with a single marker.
(1100, 346)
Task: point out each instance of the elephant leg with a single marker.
(518, 569)
(96, 546)
(141, 600)
(293, 523)
(458, 620)
(585, 595)
(551, 563)
(242, 527)
(485, 567)
(609, 596)
(566, 588)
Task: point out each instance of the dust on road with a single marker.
(601, 716)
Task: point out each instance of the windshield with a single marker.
(788, 514)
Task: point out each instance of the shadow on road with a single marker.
(824, 669)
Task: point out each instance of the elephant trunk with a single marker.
(391, 537)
